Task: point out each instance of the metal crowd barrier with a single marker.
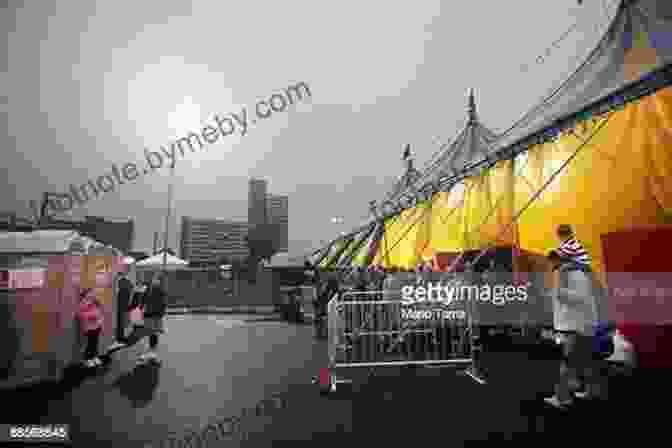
(374, 329)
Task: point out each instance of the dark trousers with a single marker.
(122, 312)
(153, 340)
(121, 325)
(92, 338)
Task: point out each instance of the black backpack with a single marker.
(155, 301)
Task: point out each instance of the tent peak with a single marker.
(471, 108)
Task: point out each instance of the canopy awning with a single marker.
(157, 261)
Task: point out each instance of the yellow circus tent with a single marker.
(404, 237)
(334, 252)
(355, 248)
(446, 222)
(605, 174)
(594, 154)
(363, 255)
(621, 178)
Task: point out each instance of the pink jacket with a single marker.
(90, 314)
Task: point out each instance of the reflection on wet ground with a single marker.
(139, 385)
(211, 366)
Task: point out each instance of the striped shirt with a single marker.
(571, 248)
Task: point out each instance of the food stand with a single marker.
(41, 274)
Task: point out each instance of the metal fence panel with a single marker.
(375, 329)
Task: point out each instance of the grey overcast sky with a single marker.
(85, 84)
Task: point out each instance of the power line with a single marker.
(540, 59)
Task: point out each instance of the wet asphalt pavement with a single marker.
(212, 366)
(258, 371)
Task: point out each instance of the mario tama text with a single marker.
(432, 314)
(446, 294)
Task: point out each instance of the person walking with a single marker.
(125, 290)
(574, 319)
(90, 317)
(311, 280)
(321, 304)
(311, 275)
(135, 315)
(570, 248)
(154, 306)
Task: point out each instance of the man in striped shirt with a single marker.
(570, 247)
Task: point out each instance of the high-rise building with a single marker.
(278, 213)
(209, 240)
(256, 214)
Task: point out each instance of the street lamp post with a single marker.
(168, 213)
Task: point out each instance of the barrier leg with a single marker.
(474, 371)
(326, 381)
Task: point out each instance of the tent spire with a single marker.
(472, 107)
(408, 158)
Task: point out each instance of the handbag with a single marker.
(136, 316)
(603, 341)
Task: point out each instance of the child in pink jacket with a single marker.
(90, 317)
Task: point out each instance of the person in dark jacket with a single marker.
(311, 274)
(326, 293)
(124, 295)
(153, 303)
(330, 288)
